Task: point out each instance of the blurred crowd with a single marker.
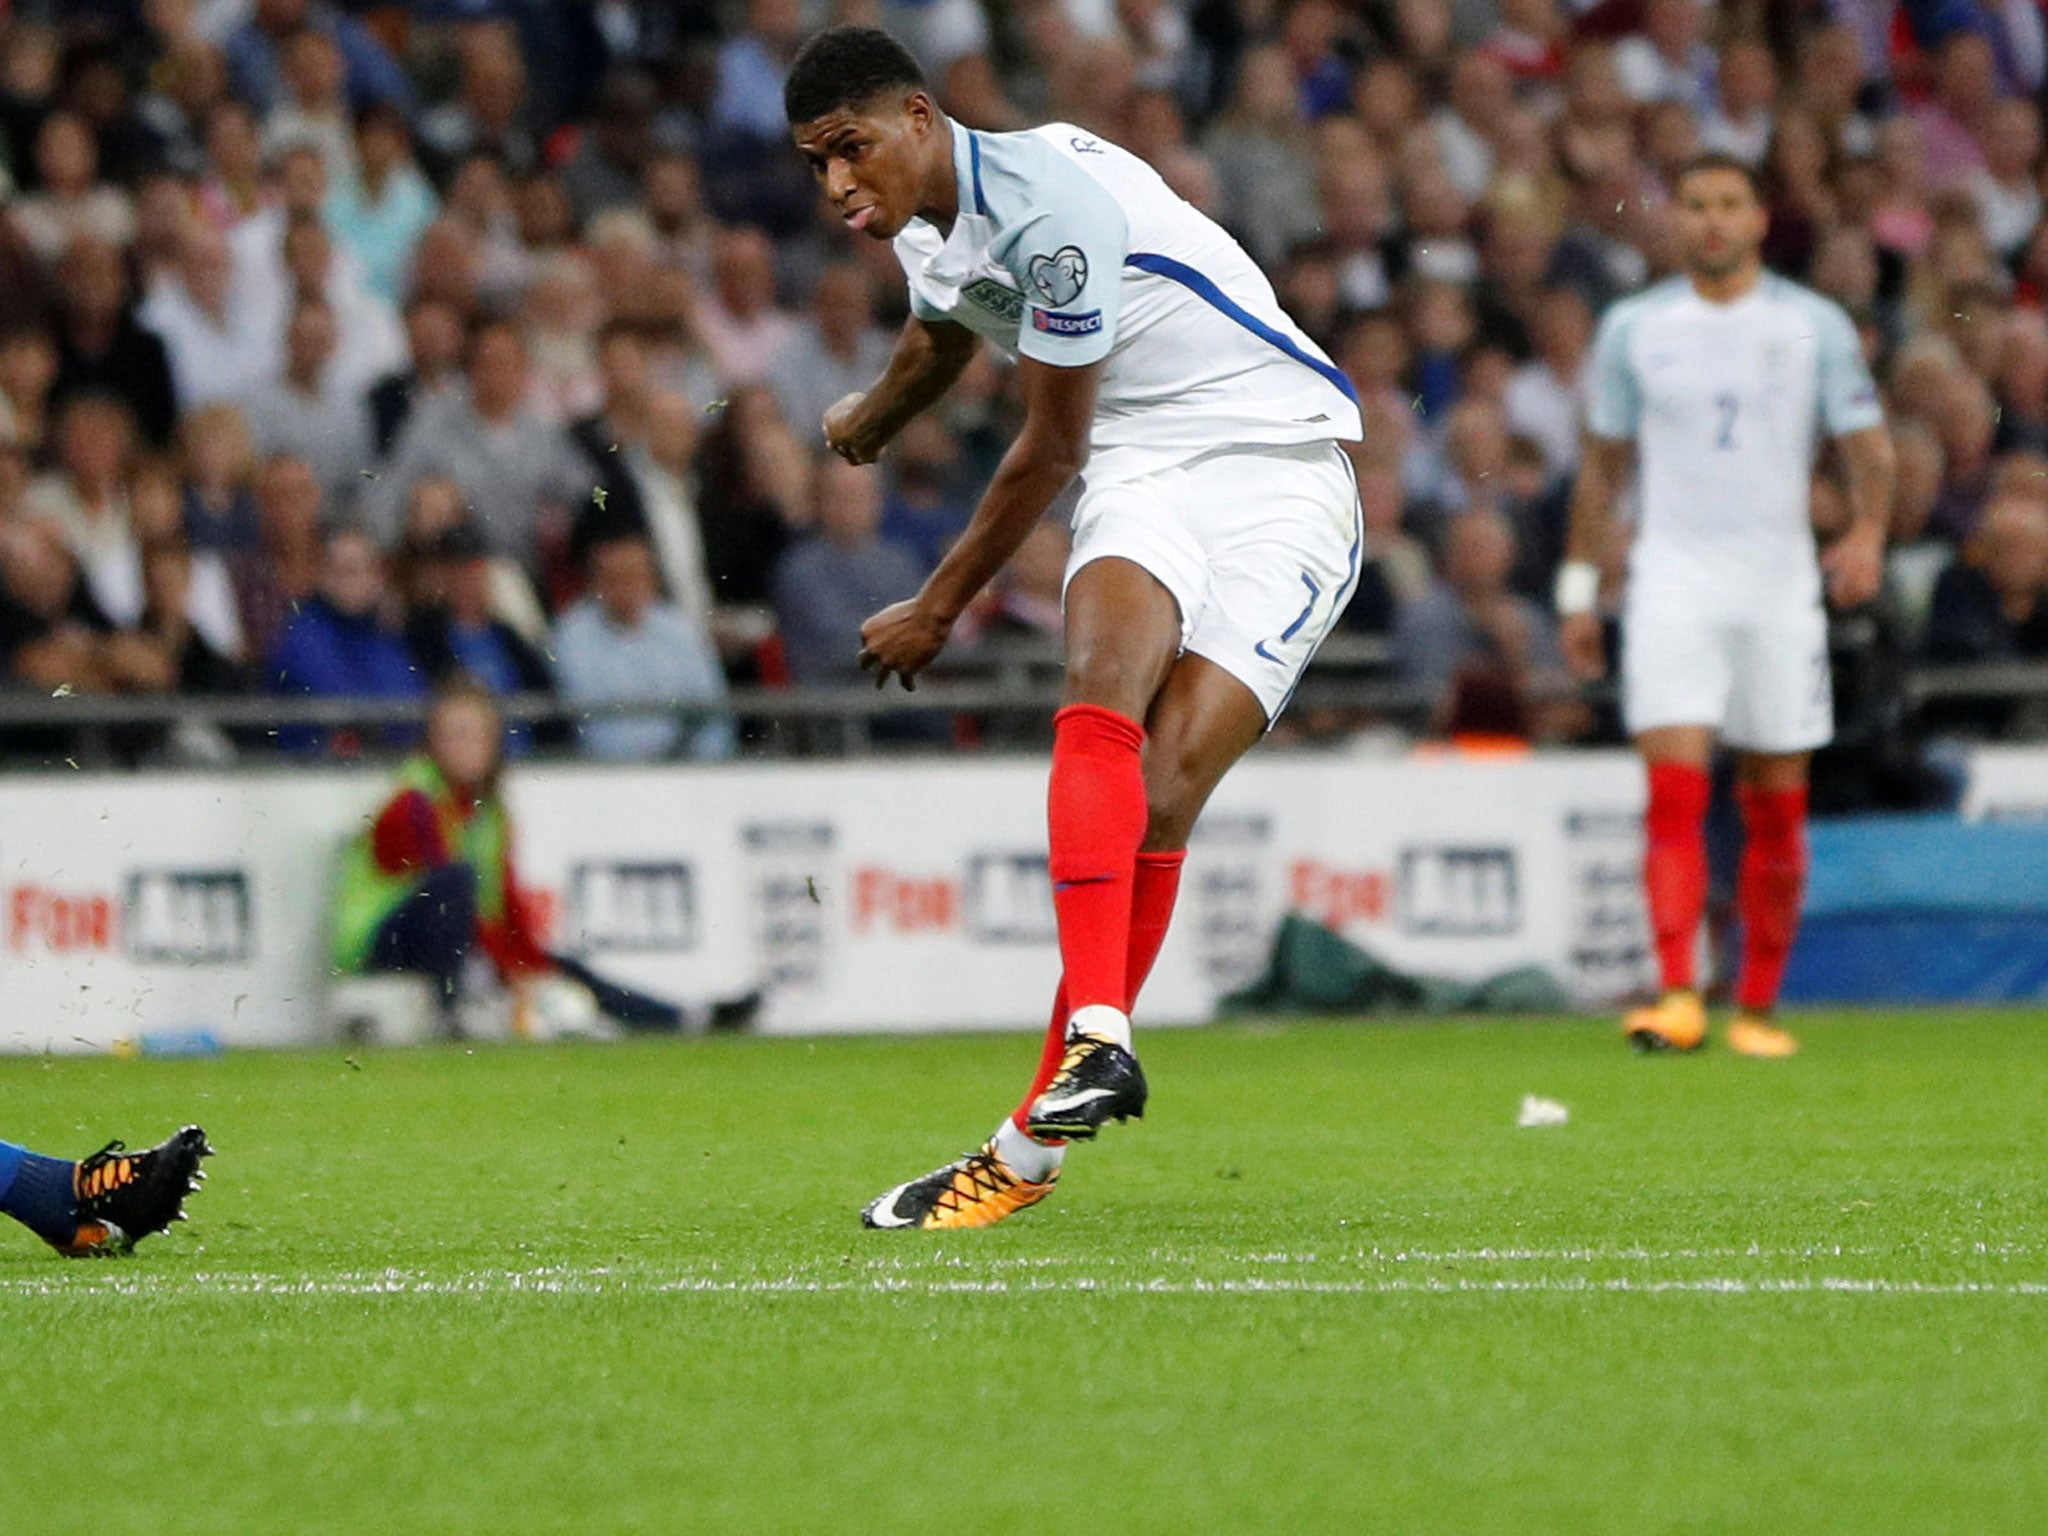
(346, 346)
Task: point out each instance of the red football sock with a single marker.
(1096, 808)
(1768, 889)
(1675, 866)
(1049, 1058)
(1152, 897)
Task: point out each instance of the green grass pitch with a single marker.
(1328, 1285)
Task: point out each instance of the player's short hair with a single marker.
(846, 67)
(1717, 160)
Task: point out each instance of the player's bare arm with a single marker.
(1603, 470)
(904, 638)
(930, 356)
(1855, 564)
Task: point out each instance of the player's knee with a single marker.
(1100, 675)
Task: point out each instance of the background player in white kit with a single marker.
(1216, 540)
(1722, 380)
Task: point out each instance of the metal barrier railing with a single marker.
(2000, 680)
(1023, 692)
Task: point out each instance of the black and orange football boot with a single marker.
(977, 1191)
(1677, 1021)
(1099, 1080)
(126, 1196)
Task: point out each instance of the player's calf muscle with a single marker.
(1180, 775)
(1170, 815)
(1185, 759)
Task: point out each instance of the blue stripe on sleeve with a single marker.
(1207, 291)
(974, 163)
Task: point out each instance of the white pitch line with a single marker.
(932, 1265)
(920, 1256)
(558, 1282)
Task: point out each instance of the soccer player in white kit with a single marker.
(1722, 380)
(1216, 539)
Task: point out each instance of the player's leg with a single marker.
(431, 933)
(1771, 789)
(1782, 710)
(1143, 585)
(1675, 680)
(1155, 876)
(1281, 538)
(106, 1203)
(1676, 761)
(1123, 630)
(1203, 721)
(36, 1191)
(1155, 886)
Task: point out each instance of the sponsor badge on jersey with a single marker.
(986, 293)
(1053, 323)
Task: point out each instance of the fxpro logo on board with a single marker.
(1001, 896)
(1009, 898)
(1450, 891)
(631, 906)
(189, 916)
(167, 916)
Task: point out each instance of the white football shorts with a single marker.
(1760, 680)
(1259, 544)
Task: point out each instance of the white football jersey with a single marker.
(1072, 251)
(1725, 403)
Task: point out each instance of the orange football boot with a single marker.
(977, 1191)
(1675, 1022)
(1755, 1034)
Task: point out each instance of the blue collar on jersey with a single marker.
(967, 166)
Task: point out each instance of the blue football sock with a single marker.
(37, 1192)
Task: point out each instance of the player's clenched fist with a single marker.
(1855, 566)
(1585, 645)
(903, 639)
(844, 434)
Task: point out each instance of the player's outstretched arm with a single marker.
(1059, 405)
(930, 355)
(1603, 467)
(1855, 562)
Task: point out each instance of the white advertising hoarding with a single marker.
(2006, 783)
(863, 896)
